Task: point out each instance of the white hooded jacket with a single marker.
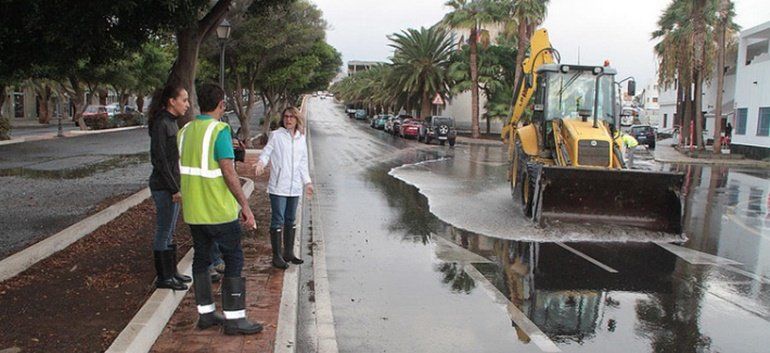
(288, 159)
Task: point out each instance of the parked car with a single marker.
(410, 128)
(438, 128)
(395, 127)
(378, 122)
(360, 114)
(644, 134)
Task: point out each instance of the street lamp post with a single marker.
(223, 33)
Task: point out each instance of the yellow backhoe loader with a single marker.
(565, 159)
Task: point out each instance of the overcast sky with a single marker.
(618, 30)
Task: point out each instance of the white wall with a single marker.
(749, 94)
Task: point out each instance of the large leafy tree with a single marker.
(473, 15)
(420, 66)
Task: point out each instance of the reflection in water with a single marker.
(574, 301)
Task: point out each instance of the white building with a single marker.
(751, 123)
(651, 105)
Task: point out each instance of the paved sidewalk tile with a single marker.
(263, 293)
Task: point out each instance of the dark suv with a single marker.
(644, 134)
(439, 128)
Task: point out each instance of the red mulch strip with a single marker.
(80, 299)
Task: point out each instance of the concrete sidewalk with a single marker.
(666, 153)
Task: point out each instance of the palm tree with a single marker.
(420, 64)
(526, 16)
(473, 15)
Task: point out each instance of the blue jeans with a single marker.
(284, 210)
(166, 212)
(227, 236)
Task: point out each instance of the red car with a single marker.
(409, 128)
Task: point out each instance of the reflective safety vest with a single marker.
(205, 196)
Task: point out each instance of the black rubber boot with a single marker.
(204, 298)
(179, 277)
(234, 306)
(165, 271)
(275, 242)
(288, 245)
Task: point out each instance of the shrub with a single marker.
(98, 121)
(129, 119)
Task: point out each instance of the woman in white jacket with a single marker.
(286, 151)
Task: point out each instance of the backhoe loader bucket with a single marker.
(643, 199)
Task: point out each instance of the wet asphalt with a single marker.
(426, 253)
(51, 184)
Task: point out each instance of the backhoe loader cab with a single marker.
(567, 92)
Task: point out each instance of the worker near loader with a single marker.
(628, 143)
(213, 199)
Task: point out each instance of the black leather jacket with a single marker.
(164, 153)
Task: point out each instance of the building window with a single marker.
(740, 121)
(763, 125)
(665, 119)
(655, 99)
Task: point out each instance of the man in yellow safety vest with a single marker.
(212, 200)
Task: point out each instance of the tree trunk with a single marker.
(5, 121)
(521, 51)
(188, 44)
(77, 100)
(425, 106)
(103, 96)
(724, 6)
(140, 102)
(687, 116)
(699, 38)
(474, 84)
(43, 100)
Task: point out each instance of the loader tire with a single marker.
(522, 182)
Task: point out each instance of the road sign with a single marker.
(437, 100)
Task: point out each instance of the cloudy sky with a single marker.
(618, 30)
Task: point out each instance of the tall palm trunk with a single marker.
(475, 83)
(425, 106)
(687, 114)
(724, 6)
(521, 48)
(679, 118)
(699, 39)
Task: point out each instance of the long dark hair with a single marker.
(160, 101)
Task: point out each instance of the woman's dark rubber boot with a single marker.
(288, 245)
(165, 270)
(179, 277)
(234, 306)
(204, 298)
(275, 242)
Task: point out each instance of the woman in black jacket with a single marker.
(167, 105)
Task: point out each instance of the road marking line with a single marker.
(587, 258)
(695, 257)
(540, 339)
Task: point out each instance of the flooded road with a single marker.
(425, 253)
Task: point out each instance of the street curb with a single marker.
(726, 162)
(286, 327)
(144, 328)
(326, 334)
(12, 141)
(22, 260)
(480, 142)
(104, 131)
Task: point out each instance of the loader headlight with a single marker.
(598, 70)
(564, 68)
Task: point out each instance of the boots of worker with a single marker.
(204, 298)
(164, 268)
(275, 242)
(288, 245)
(234, 307)
(179, 277)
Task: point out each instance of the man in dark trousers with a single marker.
(213, 200)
